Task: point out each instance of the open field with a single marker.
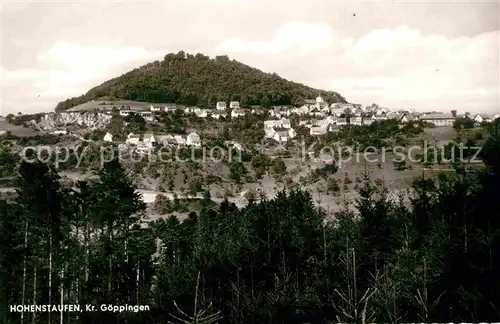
(109, 104)
(439, 133)
(17, 130)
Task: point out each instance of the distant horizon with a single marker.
(398, 54)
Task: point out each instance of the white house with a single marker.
(285, 123)
(149, 139)
(108, 137)
(234, 105)
(316, 112)
(319, 102)
(170, 108)
(333, 128)
(221, 105)
(193, 139)
(483, 118)
(218, 114)
(405, 118)
(381, 116)
(368, 121)
(275, 113)
(147, 115)
(280, 123)
(188, 110)
(258, 111)
(355, 120)
(317, 130)
(478, 119)
(438, 119)
(314, 122)
(179, 140)
(235, 113)
(381, 111)
(174, 140)
(284, 136)
(341, 121)
(393, 115)
(132, 139)
(201, 113)
(336, 111)
(156, 108)
(329, 120)
(281, 137)
(357, 112)
(125, 113)
(304, 110)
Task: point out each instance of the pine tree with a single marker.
(40, 197)
(116, 207)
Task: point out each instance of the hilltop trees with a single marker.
(198, 80)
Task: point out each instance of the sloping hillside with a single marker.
(202, 81)
(17, 130)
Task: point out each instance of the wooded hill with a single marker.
(198, 80)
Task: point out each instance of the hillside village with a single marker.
(270, 142)
(318, 116)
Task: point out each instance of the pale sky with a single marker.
(399, 54)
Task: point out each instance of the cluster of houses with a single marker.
(316, 115)
(322, 118)
(481, 118)
(221, 110)
(444, 119)
(148, 141)
(280, 130)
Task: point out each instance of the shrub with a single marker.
(333, 186)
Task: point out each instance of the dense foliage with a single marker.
(199, 80)
(275, 261)
(379, 134)
(21, 119)
(463, 123)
